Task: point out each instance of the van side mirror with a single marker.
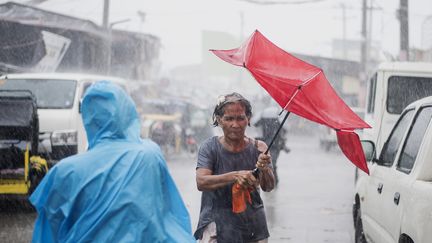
(369, 150)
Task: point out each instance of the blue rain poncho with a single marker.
(120, 190)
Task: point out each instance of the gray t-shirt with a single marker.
(216, 205)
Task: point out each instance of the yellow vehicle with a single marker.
(175, 124)
(163, 129)
(21, 168)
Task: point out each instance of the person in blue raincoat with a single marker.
(120, 190)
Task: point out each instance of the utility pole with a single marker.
(105, 14)
(404, 31)
(107, 27)
(363, 48)
(369, 36)
(344, 39)
(142, 16)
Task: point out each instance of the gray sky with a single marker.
(304, 28)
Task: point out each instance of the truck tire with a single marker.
(36, 177)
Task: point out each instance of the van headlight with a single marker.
(64, 137)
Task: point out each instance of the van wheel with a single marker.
(359, 236)
(405, 239)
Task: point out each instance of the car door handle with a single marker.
(380, 187)
(396, 198)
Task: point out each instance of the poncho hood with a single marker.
(109, 113)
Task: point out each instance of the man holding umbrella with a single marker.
(225, 162)
(231, 207)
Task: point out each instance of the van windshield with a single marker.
(404, 90)
(49, 93)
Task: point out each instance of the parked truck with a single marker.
(390, 89)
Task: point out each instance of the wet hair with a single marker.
(223, 100)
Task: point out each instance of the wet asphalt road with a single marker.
(16, 221)
(312, 203)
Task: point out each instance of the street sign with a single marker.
(55, 48)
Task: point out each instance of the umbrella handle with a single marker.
(255, 172)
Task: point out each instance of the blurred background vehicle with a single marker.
(58, 97)
(21, 167)
(191, 143)
(164, 130)
(184, 124)
(327, 136)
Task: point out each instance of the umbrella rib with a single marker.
(306, 97)
(247, 51)
(299, 88)
(310, 79)
(292, 97)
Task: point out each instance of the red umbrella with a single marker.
(301, 88)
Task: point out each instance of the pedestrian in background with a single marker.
(232, 210)
(120, 190)
(269, 123)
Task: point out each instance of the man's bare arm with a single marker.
(266, 177)
(206, 181)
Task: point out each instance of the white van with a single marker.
(327, 136)
(393, 204)
(392, 87)
(58, 97)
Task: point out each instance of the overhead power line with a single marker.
(35, 2)
(271, 2)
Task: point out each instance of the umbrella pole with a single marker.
(256, 170)
(277, 132)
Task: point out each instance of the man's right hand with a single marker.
(245, 178)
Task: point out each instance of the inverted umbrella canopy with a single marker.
(301, 88)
